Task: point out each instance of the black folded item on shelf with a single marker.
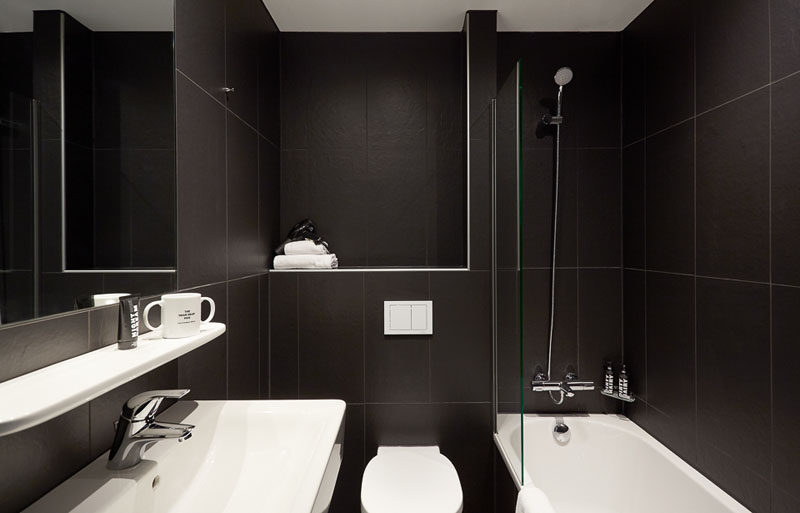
(305, 229)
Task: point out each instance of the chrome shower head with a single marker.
(563, 76)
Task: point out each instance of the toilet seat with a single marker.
(410, 479)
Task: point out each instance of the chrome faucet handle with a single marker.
(577, 384)
(144, 406)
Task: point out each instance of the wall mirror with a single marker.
(87, 152)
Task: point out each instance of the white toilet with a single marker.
(410, 480)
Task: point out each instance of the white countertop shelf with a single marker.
(46, 393)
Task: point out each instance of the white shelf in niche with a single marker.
(44, 394)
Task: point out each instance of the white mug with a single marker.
(180, 314)
(108, 299)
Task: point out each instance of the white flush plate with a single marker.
(408, 317)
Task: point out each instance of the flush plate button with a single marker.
(408, 317)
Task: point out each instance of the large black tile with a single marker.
(634, 70)
(785, 182)
(295, 84)
(633, 206)
(331, 320)
(138, 187)
(732, 49)
(50, 164)
(536, 322)
(634, 330)
(205, 370)
(242, 30)
(480, 180)
(337, 101)
(38, 459)
(462, 337)
(784, 32)
(671, 357)
(782, 502)
(481, 41)
(30, 346)
(733, 190)
(245, 256)
(508, 337)
(538, 191)
(670, 200)
(462, 432)
(674, 431)
(263, 337)
(134, 96)
(727, 471)
(595, 91)
(269, 78)
(284, 335)
(599, 216)
(334, 201)
(599, 330)
(269, 204)
(669, 36)
(446, 224)
(396, 92)
(446, 94)
(243, 339)
(201, 180)
(200, 43)
(397, 367)
(785, 389)
(733, 362)
(347, 494)
(398, 208)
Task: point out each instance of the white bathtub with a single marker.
(610, 465)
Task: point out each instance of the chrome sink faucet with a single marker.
(137, 428)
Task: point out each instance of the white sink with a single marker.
(243, 456)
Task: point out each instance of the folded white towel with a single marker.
(533, 500)
(305, 247)
(306, 262)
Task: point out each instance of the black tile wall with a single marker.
(733, 189)
(785, 448)
(710, 194)
(202, 215)
(732, 48)
(326, 340)
(244, 360)
(588, 304)
(784, 31)
(218, 152)
(669, 200)
(785, 132)
(398, 368)
(331, 340)
(372, 145)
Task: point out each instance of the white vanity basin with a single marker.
(243, 456)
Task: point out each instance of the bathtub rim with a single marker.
(506, 422)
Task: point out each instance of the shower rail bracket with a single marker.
(615, 395)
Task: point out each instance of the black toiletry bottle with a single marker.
(128, 327)
(623, 382)
(609, 383)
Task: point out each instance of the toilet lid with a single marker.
(410, 479)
